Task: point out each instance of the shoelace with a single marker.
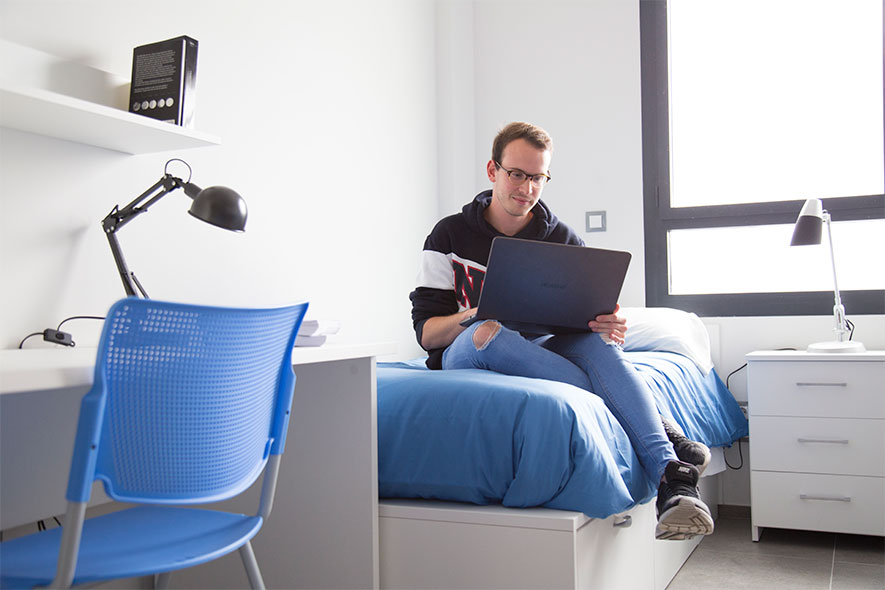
(674, 435)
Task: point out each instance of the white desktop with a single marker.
(327, 495)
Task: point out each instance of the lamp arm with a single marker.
(841, 325)
(126, 275)
(117, 218)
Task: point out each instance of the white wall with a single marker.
(570, 67)
(327, 114)
(573, 67)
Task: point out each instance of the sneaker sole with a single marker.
(685, 519)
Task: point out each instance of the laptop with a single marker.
(545, 288)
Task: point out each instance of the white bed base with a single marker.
(429, 544)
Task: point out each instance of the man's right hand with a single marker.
(440, 331)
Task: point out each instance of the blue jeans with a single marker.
(584, 360)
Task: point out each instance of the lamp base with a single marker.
(834, 346)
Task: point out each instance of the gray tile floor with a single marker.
(782, 559)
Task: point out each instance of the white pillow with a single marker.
(668, 330)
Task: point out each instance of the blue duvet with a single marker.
(481, 437)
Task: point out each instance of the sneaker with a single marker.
(687, 450)
(681, 512)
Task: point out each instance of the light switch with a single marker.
(595, 221)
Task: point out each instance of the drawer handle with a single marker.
(825, 498)
(624, 523)
(803, 384)
(824, 441)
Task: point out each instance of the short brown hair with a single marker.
(520, 130)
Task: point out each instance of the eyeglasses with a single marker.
(517, 177)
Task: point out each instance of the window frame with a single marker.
(660, 217)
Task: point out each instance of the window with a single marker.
(750, 107)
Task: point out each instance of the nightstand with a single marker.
(817, 441)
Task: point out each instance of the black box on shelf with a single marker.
(164, 80)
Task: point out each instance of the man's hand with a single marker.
(440, 331)
(610, 325)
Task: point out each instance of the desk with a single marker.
(323, 531)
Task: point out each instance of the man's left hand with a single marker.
(610, 325)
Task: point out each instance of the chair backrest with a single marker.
(188, 401)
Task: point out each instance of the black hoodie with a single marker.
(455, 256)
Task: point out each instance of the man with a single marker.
(449, 283)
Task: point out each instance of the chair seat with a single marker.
(135, 542)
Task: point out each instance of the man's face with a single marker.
(517, 199)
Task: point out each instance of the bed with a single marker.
(490, 480)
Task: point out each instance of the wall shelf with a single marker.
(64, 117)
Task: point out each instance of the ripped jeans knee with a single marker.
(485, 333)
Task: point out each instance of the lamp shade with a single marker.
(219, 206)
(808, 228)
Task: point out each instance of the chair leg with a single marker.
(161, 581)
(251, 565)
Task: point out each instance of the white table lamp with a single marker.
(806, 232)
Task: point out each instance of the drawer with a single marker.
(836, 503)
(847, 446)
(832, 389)
(498, 547)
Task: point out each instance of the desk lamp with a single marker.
(217, 205)
(807, 232)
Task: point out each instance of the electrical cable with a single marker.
(740, 453)
(740, 448)
(732, 373)
(20, 344)
(745, 364)
(57, 336)
(79, 317)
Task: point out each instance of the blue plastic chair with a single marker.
(188, 406)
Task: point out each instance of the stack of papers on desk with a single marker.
(315, 332)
